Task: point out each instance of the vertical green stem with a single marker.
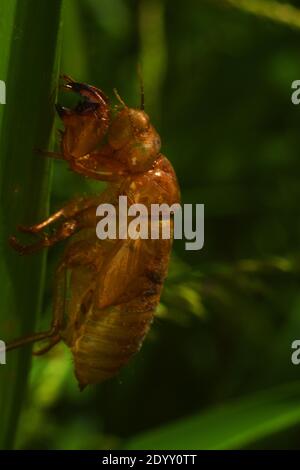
(74, 55)
(153, 53)
(29, 32)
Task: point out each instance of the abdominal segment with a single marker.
(110, 303)
(107, 342)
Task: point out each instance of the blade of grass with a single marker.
(270, 9)
(231, 426)
(74, 53)
(153, 53)
(29, 33)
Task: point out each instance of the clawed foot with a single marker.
(50, 154)
(27, 249)
(16, 245)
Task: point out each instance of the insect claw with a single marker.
(67, 81)
(66, 77)
(93, 94)
(16, 245)
(62, 110)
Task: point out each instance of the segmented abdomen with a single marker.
(110, 305)
(107, 343)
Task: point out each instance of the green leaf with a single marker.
(270, 9)
(29, 33)
(231, 426)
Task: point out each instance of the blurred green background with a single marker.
(215, 370)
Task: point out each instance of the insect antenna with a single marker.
(67, 81)
(119, 98)
(142, 90)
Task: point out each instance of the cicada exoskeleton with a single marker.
(106, 291)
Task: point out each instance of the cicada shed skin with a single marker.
(105, 291)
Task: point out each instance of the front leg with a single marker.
(99, 166)
(77, 214)
(53, 334)
(68, 211)
(64, 231)
(81, 253)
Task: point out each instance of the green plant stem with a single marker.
(279, 12)
(29, 33)
(230, 426)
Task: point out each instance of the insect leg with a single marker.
(28, 339)
(58, 308)
(66, 229)
(50, 154)
(52, 342)
(53, 333)
(69, 210)
(83, 252)
(40, 226)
